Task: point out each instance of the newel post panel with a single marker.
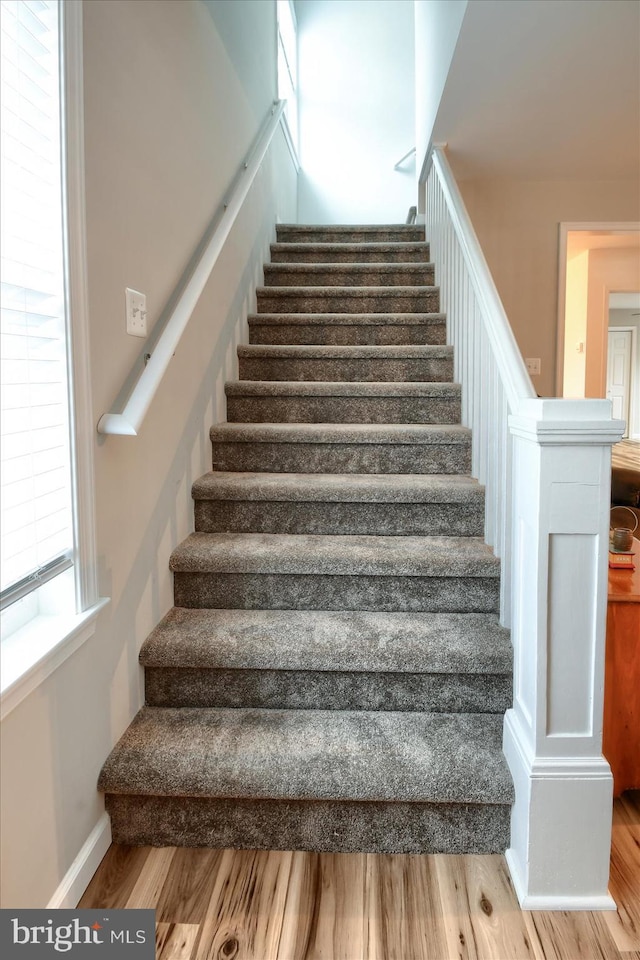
(561, 819)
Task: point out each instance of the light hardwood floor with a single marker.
(268, 905)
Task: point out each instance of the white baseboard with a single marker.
(542, 902)
(76, 880)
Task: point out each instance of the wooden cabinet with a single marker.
(621, 734)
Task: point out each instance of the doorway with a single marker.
(619, 372)
(597, 261)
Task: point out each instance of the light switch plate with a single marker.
(533, 365)
(136, 304)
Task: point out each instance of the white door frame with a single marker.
(632, 427)
(566, 228)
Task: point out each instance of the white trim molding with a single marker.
(561, 819)
(34, 652)
(557, 861)
(76, 291)
(77, 878)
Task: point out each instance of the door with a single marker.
(619, 374)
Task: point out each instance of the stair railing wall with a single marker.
(157, 358)
(487, 361)
(546, 466)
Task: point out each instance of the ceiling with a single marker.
(544, 90)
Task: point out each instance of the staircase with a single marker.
(333, 675)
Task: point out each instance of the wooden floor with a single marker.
(626, 454)
(248, 905)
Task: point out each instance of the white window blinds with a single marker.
(37, 525)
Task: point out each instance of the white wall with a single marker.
(168, 119)
(437, 27)
(544, 91)
(575, 325)
(517, 222)
(356, 94)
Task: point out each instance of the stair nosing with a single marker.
(310, 755)
(349, 319)
(338, 488)
(350, 245)
(361, 389)
(344, 290)
(410, 351)
(329, 642)
(335, 433)
(361, 555)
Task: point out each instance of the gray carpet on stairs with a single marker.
(333, 675)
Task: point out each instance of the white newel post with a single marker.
(561, 819)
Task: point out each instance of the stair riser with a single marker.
(340, 827)
(291, 591)
(391, 234)
(341, 253)
(339, 300)
(378, 519)
(336, 369)
(342, 410)
(342, 458)
(339, 275)
(349, 334)
(323, 690)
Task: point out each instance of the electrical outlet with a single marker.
(136, 313)
(533, 365)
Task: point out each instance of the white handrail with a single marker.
(127, 423)
(517, 381)
(402, 159)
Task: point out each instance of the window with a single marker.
(37, 527)
(288, 65)
(48, 591)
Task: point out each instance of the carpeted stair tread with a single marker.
(311, 755)
(447, 643)
(347, 503)
(357, 352)
(349, 274)
(350, 401)
(347, 328)
(348, 299)
(346, 319)
(348, 233)
(315, 554)
(329, 363)
(367, 448)
(338, 388)
(329, 433)
(339, 488)
(389, 252)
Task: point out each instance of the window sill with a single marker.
(32, 653)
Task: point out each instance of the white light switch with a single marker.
(533, 365)
(136, 313)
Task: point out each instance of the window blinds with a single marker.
(37, 526)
